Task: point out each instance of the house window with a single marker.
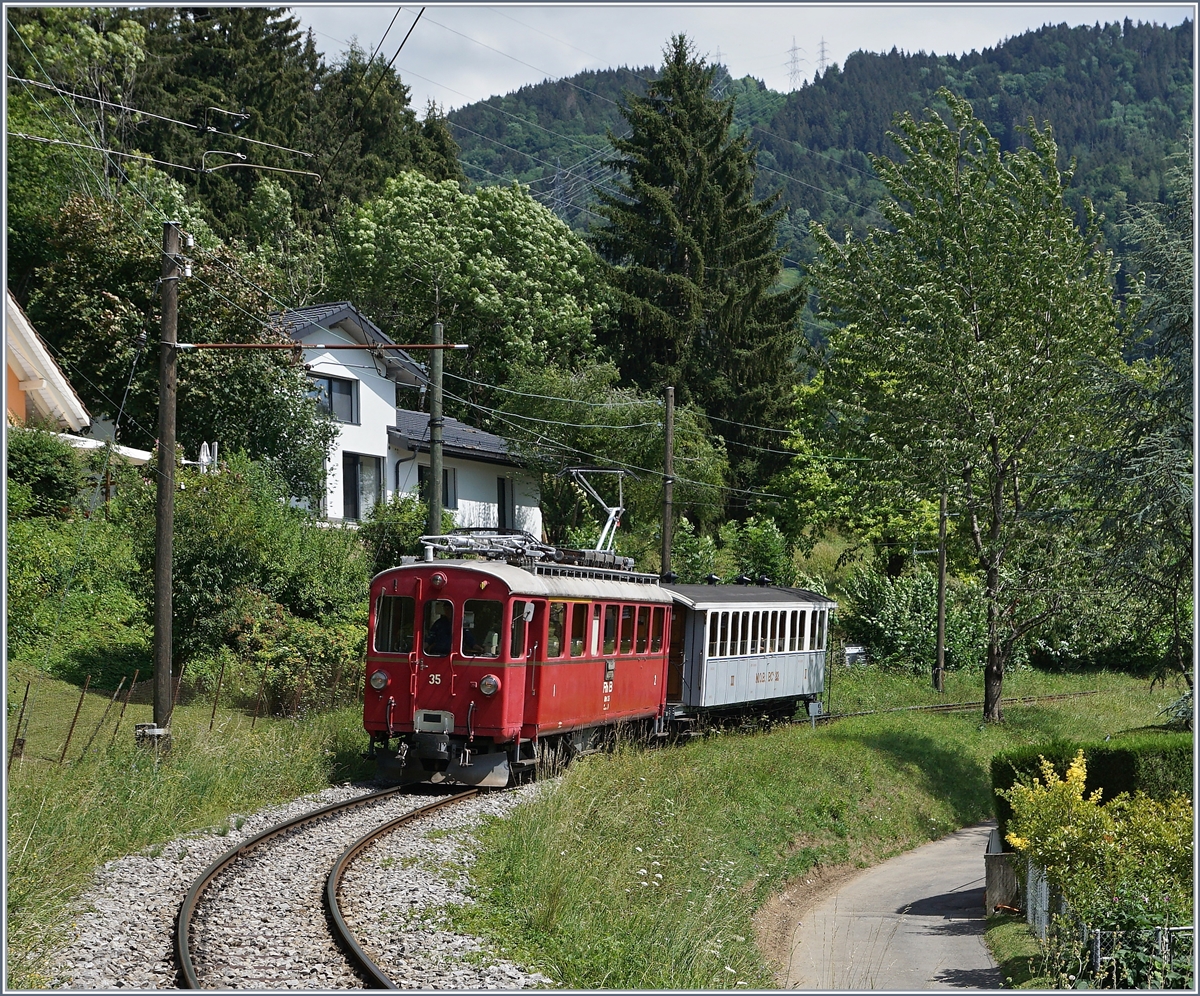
(449, 485)
(336, 396)
(506, 512)
(362, 484)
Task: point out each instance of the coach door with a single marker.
(675, 656)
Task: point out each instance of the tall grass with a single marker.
(727, 820)
(65, 821)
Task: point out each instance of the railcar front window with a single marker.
(481, 627)
(656, 631)
(579, 615)
(627, 619)
(643, 629)
(516, 649)
(439, 625)
(394, 619)
(610, 629)
(557, 635)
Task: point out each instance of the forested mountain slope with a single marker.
(1118, 97)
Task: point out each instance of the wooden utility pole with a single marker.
(164, 522)
(939, 670)
(434, 526)
(668, 481)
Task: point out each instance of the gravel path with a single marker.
(125, 938)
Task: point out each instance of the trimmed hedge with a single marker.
(1158, 764)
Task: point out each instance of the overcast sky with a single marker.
(460, 54)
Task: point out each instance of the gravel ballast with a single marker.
(124, 939)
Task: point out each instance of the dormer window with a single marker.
(337, 396)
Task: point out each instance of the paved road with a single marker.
(914, 922)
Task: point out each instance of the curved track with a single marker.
(371, 974)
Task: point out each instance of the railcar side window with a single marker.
(394, 618)
(610, 629)
(482, 622)
(439, 625)
(595, 630)
(656, 631)
(516, 648)
(627, 619)
(643, 629)
(579, 615)
(556, 638)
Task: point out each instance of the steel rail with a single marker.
(956, 706)
(375, 976)
(187, 909)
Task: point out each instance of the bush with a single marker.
(48, 467)
(757, 548)
(896, 618)
(393, 529)
(1157, 764)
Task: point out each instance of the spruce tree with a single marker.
(692, 258)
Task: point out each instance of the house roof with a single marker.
(344, 316)
(41, 378)
(411, 432)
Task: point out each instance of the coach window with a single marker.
(556, 636)
(754, 620)
(394, 618)
(735, 628)
(628, 616)
(821, 633)
(812, 631)
(439, 625)
(800, 629)
(723, 645)
(516, 643)
(713, 622)
(579, 615)
(743, 632)
(791, 644)
(774, 646)
(643, 629)
(610, 629)
(656, 631)
(481, 627)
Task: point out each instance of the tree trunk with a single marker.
(993, 675)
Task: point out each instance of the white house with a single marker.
(382, 447)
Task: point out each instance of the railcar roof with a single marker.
(522, 582)
(723, 595)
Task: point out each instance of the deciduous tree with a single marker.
(964, 335)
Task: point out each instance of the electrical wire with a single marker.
(93, 148)
(550, 397)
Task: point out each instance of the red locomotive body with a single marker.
(474, 665)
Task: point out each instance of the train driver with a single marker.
(437, 637)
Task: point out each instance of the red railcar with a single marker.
(475, 668)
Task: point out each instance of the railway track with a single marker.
(956, 706)
(245, 932)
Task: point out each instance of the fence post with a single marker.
(18, 744)
(74, 720)
(216, 698)
(261, 685)
(103, 717)
(125, 705)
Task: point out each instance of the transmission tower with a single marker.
(822, 57)
(793, 65)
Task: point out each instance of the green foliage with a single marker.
(691, 255)
(956, 363)
(562, 417)
(238, 542)
(896, 619)
(759, 549)
(95, 300)
(48, 466)
(693, 555)
(499, 270)
(1122, 866)
(393, 528)
(1158, 765)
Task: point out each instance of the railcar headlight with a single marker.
(379, 680)
(438, 580)
(489, 684)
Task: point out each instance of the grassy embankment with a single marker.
(727, 820)
(65, 821)
(644, 868)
